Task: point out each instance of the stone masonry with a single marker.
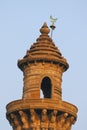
(42, 66)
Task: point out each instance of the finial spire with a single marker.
(53, 20)
(44, 29)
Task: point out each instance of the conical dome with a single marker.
(44, 50)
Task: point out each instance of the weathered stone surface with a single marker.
(42, 66)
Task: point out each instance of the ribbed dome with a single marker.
(44, 50)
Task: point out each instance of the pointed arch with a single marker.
(46, 87)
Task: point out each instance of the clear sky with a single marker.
(20, 21)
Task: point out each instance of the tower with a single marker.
(42, 66)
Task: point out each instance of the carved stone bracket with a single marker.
(40, 119)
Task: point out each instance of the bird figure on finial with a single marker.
(53, 20)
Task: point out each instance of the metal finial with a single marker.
(53, 20)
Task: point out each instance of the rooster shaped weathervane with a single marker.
(53, 20)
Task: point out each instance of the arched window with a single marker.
(46, 87)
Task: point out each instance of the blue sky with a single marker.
(20, 21)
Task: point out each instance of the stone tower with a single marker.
(42, 66)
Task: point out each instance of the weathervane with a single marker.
(53, 20)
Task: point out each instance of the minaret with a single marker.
(42, 66)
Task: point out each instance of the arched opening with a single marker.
(46, 87)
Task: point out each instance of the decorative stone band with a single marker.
(23, 63)
(59, 105)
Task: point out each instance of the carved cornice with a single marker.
(40, 104)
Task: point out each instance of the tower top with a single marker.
(42, 66)
(45, 50)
